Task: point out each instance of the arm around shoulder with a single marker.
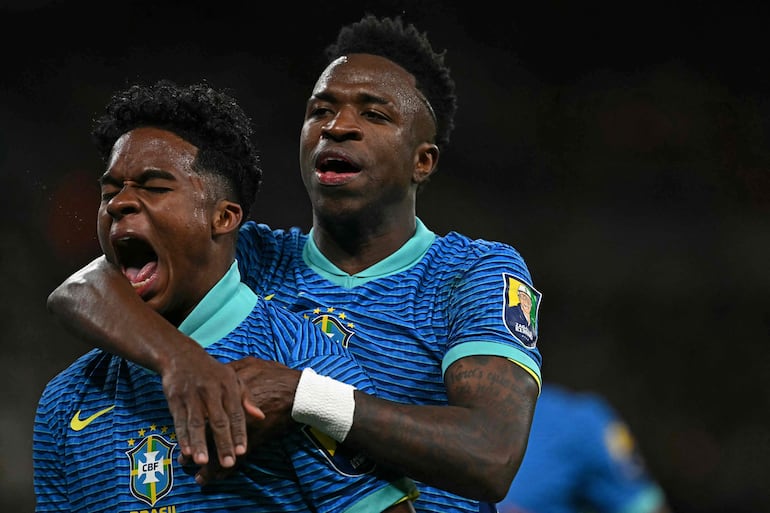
(98, 305)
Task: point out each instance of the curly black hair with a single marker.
(406, 46)
(211, 120)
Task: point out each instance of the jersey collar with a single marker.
(221, 310)
(405, 257)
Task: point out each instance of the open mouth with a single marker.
(137, 260)
(335, 170)
(337, 165)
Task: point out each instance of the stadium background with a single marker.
(623, 150)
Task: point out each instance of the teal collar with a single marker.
(221, 310)
(405, 257)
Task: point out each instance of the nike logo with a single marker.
(76, 424)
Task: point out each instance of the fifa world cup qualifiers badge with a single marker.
(521, 303)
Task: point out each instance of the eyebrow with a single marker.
(359, 98)
(149, 174)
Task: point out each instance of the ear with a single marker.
(227, 217)
(425, 163)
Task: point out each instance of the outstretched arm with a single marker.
(98, 305)
(472, 447)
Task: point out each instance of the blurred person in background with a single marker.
(581, 458)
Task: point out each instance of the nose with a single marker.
(344, 125)
(123, 203)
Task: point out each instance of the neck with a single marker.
(355, 245)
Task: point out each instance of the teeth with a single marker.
(140, 284)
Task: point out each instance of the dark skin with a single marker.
(151, 192)
(366, 110)
(148, 193)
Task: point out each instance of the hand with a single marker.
(206, 401)
(268, 389)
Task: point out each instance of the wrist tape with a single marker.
(324, 403)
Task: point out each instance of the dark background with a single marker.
(622, 150)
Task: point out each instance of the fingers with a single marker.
(227, 426)
(212, 472)
(205, 400)
(252, 410)
(190, 425)
(178, 406)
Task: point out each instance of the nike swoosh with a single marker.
(76, 424)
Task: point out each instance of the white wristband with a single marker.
(324, 403)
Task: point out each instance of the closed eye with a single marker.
(375, 115)
(158, 190)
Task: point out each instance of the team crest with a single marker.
(152, 474)
(335, 326)
(342, 459)
(520, 308)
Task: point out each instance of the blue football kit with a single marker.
(104, 439)
(407, 318)
(581, 458)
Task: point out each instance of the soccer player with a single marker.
(581, 457)
(181, 175)
(424, 314)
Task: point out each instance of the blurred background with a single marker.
(624, 151)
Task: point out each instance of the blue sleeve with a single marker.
(485, 315)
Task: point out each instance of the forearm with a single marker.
(439, 445)
(473, 447)
(98, 305)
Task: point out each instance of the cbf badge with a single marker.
(152, 474)
(334, 325)
(520, 307)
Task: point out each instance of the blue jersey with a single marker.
(408, 317)
(581, 457)
(104, 438)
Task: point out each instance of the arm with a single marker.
(471, 447)
(98, 305)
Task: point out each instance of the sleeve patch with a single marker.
(521, 304)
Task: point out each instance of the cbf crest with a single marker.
(334, 324)
(152, 475)
(521, 304)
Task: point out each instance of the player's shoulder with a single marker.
(461, 254)
(253, 231)
(456, 245)
(89, 369)
(93, 363)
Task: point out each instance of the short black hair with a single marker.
(210, 119)
(409, 48)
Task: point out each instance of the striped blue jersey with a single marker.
(407, 318)
(104, 440)
(592, 466)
